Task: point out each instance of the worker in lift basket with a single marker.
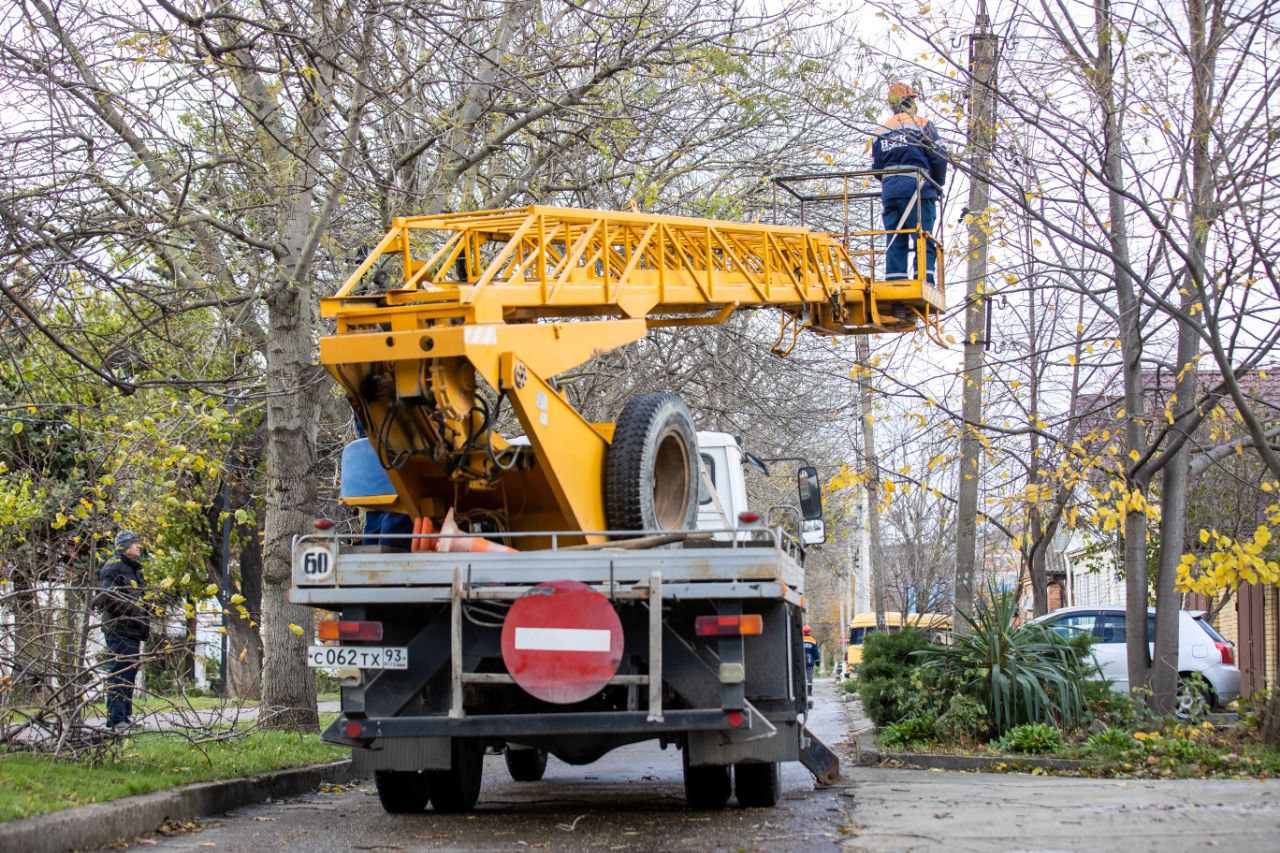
(907, 140)
(812, 654)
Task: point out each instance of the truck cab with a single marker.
(721, 464)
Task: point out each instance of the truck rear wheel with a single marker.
(706, 788)
(651, 469)
(401, 791)
(458, 788)
(757, 785)
(526, 765)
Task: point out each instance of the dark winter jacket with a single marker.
(812, 654)
(909, 141)
(120, 599)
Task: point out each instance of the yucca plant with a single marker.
(1022, 673)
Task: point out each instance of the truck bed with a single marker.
(734, 569)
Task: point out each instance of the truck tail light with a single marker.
(332, 629)
(1224, 649)
(728, 626)
(354, 729)
(322, 524)
(748, 517)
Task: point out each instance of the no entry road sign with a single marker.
(562, 642)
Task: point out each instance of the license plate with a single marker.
(361, 657)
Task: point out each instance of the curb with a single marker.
(869, 756)
(98, 824)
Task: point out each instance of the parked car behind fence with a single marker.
(1201, 650)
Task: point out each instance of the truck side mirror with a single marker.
(813, 532)
(810, 493)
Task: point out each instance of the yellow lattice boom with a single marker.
(518, 296)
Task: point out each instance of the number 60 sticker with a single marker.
(317, 564)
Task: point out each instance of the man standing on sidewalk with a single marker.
(125, 625)
(908, 142)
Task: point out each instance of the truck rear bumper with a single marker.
(529, 725)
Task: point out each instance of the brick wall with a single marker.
(1227, 622)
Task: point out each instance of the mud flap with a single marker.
(819, 759)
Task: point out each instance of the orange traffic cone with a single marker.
(422, 527)
(467, 543)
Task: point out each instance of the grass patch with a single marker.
(37, 784)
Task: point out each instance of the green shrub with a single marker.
(850, 686)
(327, 682)
(884, 680)
(1031, 737)
(1110, 741)
(1021, 673)
(965, 719)
(1181, 749)
(908, 732)
(1115, 709)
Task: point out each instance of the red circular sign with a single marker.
(562, 642)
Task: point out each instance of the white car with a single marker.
(1201, 650)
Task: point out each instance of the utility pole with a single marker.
(224, 557)
(981, 136)
(225, 576)
(871, 463)
(862, 589)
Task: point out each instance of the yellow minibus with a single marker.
(933, 625)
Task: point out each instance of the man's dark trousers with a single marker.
(923, 213)
(121, 672)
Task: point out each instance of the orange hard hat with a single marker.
(808, 630)
(899, 92)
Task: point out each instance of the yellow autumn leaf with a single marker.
(296, 629)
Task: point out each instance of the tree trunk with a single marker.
(244, 680)
(1036, 566)
(1130, 321)
(1173, 522)
(981, 133)
(1271, 721)
(244, 663)
(288, 690)
(1173, 505)
(32, 640)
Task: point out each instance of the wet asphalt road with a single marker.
(632, 799)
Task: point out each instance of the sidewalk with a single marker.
(173, 719)
(899, 809)
(178, 718)
(930, 809)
